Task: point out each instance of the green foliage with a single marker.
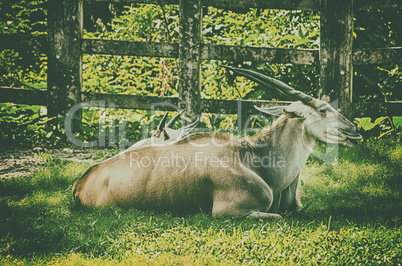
(23, 68)
(381, 127)
(102, 126)
(159, 76)
(28, 126)
(260, 28)
(265, 28)
(22, 124)
(351, 216)
(154, 76)
(135, 75)
(378, 28)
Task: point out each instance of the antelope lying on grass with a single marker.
(255, 177)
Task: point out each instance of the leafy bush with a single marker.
(28, 126)
(381, 127)
(260, 28)
(159, 76)
(23, 68)
(129, 74)
(377, 28)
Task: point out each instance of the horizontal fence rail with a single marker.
(307, 5)
(125, 101)
(208, 51)
(22, 96)
(152, 49)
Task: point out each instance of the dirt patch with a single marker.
(22, 162)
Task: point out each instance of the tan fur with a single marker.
(204, 135)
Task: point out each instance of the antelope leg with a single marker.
(242, 193)
(276, 204)
(290, 199)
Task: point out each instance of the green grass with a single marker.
(352, 215)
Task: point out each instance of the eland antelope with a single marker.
(218, 172)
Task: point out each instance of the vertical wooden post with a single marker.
(64, 58)
(190, 56)
(336, 69)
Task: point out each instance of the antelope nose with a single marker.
(351, 133)
(358, 132)
(358, 136)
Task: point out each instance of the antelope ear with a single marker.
(274, 111)
(292, 114)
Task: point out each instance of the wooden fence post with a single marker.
(190, 56)
(64, 57)
(336, 69)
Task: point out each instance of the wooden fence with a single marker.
(65, 46)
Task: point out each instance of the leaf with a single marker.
(397, 121)
(365, 123)
(301, 42)
(289, 37)
(385, 133)
(234, 21)
(251, 37)
(379, 120)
